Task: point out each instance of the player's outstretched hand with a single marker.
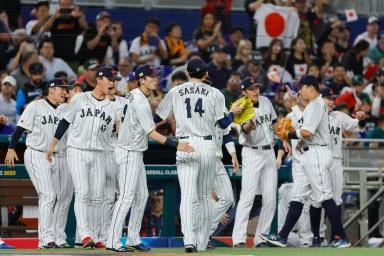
(184, 146)
(235, 164)
(50, 154)
(10, 158)
(225, 219)
(3, 119)
(236, 109)
(360, 115)
(287, 148)
(279, 162)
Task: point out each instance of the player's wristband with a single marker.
(230, 146)
(362, 123)
(292, 136)
(171, 143)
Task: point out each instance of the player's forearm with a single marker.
(299, 134)
(226, 121)
(154, 135)
(61, 129)
(280, 154)
(247, 128)
(16, 137)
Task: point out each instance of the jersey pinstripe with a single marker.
(62, 144)
(40, 120)
(136, 122)
(119, 101)
(92, 121)
(196, 108)
(262, 132)
(296, 124)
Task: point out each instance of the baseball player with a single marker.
(338, 122)
(259, 165)
(110, 187)
(196, 108)
(62, 178)
(93, 118)
(315, 165)
(39, 120)
(136, 126)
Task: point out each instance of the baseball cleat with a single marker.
(78, 245)
(100, 245)
(140, 247)
(190, 248)
(340, 243)
(121, 249)
(6, 246)
(262, 245)
(51, 245)
(240, 245)
(65, 245)
(316, 242)
(211, 245)
(274, 239)
(88, 242)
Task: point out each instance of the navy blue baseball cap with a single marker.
(76, 83)
(308, 80)
(196, 66)
(108, 72)
(146, 70)
(328, 93)
(249, 83)
(58, 83)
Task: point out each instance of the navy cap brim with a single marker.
(117, 78)
(66, 86)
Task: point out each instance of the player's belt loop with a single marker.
(209, 137)
(265, 147)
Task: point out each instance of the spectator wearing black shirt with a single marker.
(90, 66)
(122, 50)
(97, 39)
(177, 55)
(235, 36)
(275, 54)
(342, 44)
(298, 61)
(353, 60)
(67, 22)
(208, 35)
(13, 10)
(233, 90)
(339, 80)
(327, 59)
(217, 70)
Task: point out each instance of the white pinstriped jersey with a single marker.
(316, 121)
(220, 133)
(136, 123)
(62, 144)
(296, 124)
(92, 121)
(338, 122)
(119, 101)
(196, 108)
(40, 120)
(262, 132)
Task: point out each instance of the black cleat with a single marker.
(139, 247)
(121, 249)
(190, 248)
(211, 245)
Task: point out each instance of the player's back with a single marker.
(194, 106)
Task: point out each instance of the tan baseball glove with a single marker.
(248, 112)
(284, 127)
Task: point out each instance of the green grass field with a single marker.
(217, 251)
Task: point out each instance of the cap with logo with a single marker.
(328, 93)
(146, 70)
(9, 79)
(357, 79)
(91, 64)
(373, 19)
(102, 15)
(58, 83)
(196, 66)
(36, 68)
(74, 83)
(249, 83)
(256, 58)
(108, 72)
(308, 80)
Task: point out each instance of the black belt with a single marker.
(209, 137)
(306, 148)
(266, 147)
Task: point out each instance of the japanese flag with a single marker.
(300, 69)
(276, 22)
(329, 72)
(351, 15)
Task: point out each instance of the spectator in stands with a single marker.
(67, 22)
(377, 52)
(377, 99)
(177, 54)
(113, 56)
(90, 68)
(352, 96)
(370, 35)
(125, 66)
(339, 79)
(179, 78)
(250, 7)
(7, 103)
(275, 54)
(377, 133)
(243, 53)
(21, 74)
(18, 37)
(370, 120)
(61, 75)
(326, 14)
(298, 61)
(154, 220)
(217, 70)
(5, 36)
(51, 63)
(35, 28)
(253, 68)
(32, 90)
(3, 74)
(98, 39)
(314, 70)
(306, 22)
(208, 35)
(149, 48)
(236, 34)
(342, 45)
(326, 58)
(233, 90)
(13, 10)
(353, 60)
(132, 81)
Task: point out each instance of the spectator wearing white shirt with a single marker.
(35, 28)
(51, 63)
(370, 35)
(7, 103)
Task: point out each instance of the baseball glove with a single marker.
(248, 112)
(284, 127)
